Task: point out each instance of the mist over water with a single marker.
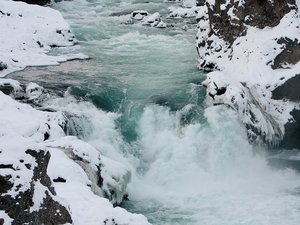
(140, 103)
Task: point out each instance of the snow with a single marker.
(152, 19)
(245, 72)
(35, 30)
(69, 159)
(38, 196)
(182, 12)
(36, 93)
(5, 217)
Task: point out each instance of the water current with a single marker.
(141, 103)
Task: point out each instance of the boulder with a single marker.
(34, 204)
(36, 2)
(139, 14)
(3, 66)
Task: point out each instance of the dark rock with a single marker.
(284, 163)
(121, 13)
(36, 2)
(255, 13)
(7, 166)
(7, 89)
(99, 177)
(219, 91)
(289, 90)
(5, 184)
(3, 66)
(142, 13)
(40, 44)
(46, 136)
(18, 207)
(290, 55)
(59, 179)
(231, 22)
(291, 139)
(200, 2)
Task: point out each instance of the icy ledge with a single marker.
(47, 177)
(253, 48)
(28, 32)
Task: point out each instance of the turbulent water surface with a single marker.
(192, 165)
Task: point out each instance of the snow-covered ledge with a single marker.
(28, 32)
(48, 176)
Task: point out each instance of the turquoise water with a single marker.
(191, 164)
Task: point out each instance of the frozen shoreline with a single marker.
(35, 30)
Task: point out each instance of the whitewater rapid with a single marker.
(139, 101)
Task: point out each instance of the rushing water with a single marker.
(192, 165)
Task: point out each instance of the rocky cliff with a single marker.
(253, 48)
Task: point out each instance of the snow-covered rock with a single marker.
(31, 93)
(182, 12)
(35, 30)
(139, 14)
(152, 20)
(38, 2)
(48, 178)
(161, 24)
(11, 87)
(255, 47)
(36, 93)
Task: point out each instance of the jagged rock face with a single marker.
(292, 130)
(200, 2)
(223, 21)
(21, 208)
(32, 93)
(228, 19)
(289, 90)
(290, 54)
(252, 43)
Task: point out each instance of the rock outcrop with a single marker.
(47, 177)
(36, 30)
(34, 204)
(3, 66)
(290, 54)
(255, 47)
(37, 2)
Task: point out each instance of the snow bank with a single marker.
(74, 174)
(35, 30)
